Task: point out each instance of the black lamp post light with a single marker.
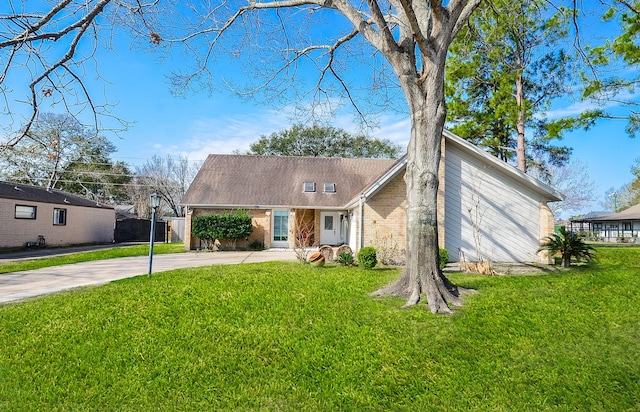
(154, 202)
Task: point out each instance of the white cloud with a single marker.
(572, 110)
(581, 107)
(228, 133)
(395, 128)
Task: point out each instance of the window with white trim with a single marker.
(309, 187)
(59, 217)
(280, 225)
(329, 187)
(25, 212)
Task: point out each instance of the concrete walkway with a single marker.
(30, 283)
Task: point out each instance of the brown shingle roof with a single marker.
(248, 181)
(29, 193)
(632, 213)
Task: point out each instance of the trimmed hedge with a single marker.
(222, 227)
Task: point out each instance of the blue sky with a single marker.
(198, 123)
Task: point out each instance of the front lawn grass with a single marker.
(102, 254)
(283, 336)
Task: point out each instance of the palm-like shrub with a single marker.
(568, 245)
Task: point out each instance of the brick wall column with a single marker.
(547, 227)
(267, 229)
(292, 228)
(187, 228)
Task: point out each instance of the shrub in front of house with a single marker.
(444, 257)
(227, 227)
(367, 257)
(257, 245)
(345, 259)
(568, 245)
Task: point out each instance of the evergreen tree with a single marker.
(505, 68)
(612, 76)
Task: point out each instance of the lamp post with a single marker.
(154, 202)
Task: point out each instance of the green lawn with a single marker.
(116, 252)
(283, 336)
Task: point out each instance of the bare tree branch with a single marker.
(46, 47)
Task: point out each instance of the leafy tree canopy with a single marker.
(323, 141)
(611, 77)
(502, 76)
(59, 153)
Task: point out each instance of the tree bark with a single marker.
(422, 274)
(521, 153)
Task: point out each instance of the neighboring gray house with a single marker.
(583, 223)
(29, 213)
(623, 226)
(483, 202)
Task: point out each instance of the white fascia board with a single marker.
(537, 185)
(379, 183)
(210, 206)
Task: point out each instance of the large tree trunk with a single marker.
(521, 153)
(422, 274)
(423, 267)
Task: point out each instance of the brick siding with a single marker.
(83, 225)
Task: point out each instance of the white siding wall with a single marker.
(84, 225)
(353, 230)
(507, 215)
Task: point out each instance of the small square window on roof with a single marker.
(309, 187)
(329, 187)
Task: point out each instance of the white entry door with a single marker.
(329, 228)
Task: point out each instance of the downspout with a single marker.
(361, 223)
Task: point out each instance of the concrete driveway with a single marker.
(22, 285)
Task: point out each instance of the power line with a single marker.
(92, 183)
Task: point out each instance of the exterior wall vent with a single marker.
(329, 187)
(309, 187)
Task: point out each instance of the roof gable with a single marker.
(522, 178)
(250, 181)
(550, 193)
(28, 193)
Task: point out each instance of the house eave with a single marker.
(531, 182)
(266, 207)
(550, 193)
(379, 183)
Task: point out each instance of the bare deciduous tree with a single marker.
(411, 38)
(573, 181)
(59, 153)
(406, 42)
(167, 176)
(43, 46)
(304, 233)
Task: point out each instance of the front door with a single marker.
(329, 228)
